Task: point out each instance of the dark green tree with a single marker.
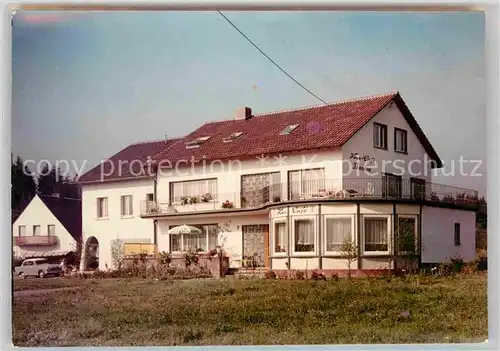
(23, 186)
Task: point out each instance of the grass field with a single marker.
(235, 312)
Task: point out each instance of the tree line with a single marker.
(50, 181)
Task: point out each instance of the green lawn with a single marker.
(229, 312)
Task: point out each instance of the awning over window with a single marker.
(42, 254)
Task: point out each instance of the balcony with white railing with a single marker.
(35, 240)
(321, 190)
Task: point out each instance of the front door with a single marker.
(256, 245)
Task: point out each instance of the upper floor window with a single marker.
(102, 207)
(380, 136)
(51, 229)
(193, 191)
(36, 230)
(22, 230)
(305, 183)
(400, 140)
(126, 205)
(257, 189)
(417, 188)
(391, 185)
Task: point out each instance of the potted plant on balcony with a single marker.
(227, 204)
(434, 196)
(184, 200)
(277, 199)
(194, 200)
(460, 198)
(449, 199)
(207, 197)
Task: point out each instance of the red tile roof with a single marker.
(127, 163)
(320, 127)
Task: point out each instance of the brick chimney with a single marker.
(243, 113)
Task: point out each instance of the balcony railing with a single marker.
(334, 189)
(36, 240)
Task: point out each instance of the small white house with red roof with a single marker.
(49, 224)
(284, 190)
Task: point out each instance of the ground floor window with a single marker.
(338, 229)
(280, 237)
(207, 240)
(376, 234)
(304, 235)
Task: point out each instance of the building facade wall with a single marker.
(361, 144)
(228, 175)
(438, 234)
(131, 228)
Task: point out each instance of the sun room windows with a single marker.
(338, 229)
(280, 234)
(304, 229)
(203, 242)
(376, 234)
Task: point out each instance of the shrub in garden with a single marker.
(457, 263)
(270, 275)
(482, 260)
(317, 276)
(299, 275)
(190, 257)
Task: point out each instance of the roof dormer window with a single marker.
(196, 142)
(289, 129)
(231, 137)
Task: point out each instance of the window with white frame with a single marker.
(21, 230)
(406, 234)
(400, 140)
(279, 237)
(102, 207)
(380, 136)
(126, 204)
(203, 242)
(36, 230)
(193, 191)
(338, 230)
(304, 238)
(376, 234)
(303, 184)
(51, 229)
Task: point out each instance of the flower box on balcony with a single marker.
(227, 204)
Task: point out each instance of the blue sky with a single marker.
(85, 85)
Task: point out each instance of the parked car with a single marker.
(38, 267)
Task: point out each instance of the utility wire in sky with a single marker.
(270, 59)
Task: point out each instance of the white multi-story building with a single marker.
(285, 189)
